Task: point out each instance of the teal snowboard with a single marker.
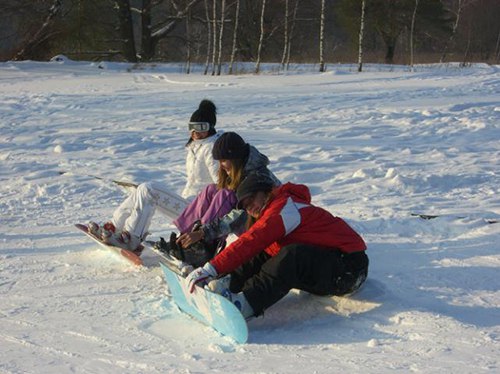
(207, 307)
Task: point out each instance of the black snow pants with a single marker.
(264, 280)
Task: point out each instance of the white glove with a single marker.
(201, 276)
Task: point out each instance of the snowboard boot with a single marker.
(221, 287)
(94, 229)
(170, 248)
(101, 232)
(124, 240)
(197, 254)
(242, 304)
(107, 230)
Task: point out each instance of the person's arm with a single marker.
(233, 222)
(267, 230)
(211, 164)
(188, 190)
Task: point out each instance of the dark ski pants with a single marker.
(264, 280)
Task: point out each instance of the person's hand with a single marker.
(185, 240)
(201, 276)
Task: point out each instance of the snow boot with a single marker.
(197, 254)
(170, 248)
(107, 230)
(124, 240)
(101, 232)
(221, 287)
(94, 229)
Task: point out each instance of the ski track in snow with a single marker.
(373, 147)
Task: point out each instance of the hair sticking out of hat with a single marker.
(252, 184)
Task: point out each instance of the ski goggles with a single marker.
(199, 126)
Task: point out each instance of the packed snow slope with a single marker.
(374, 148)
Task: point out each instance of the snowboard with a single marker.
(205, 306)
(132, 257)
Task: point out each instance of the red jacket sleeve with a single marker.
(268, 229)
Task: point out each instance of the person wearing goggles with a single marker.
(199, 127)
(130, 222)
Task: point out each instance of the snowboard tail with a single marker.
(130, 256)
(210, 308)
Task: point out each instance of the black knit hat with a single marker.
(206, 112)
(253, 183)
(230, 146)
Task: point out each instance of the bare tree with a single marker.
(285, 34)
(126, 28)
(261, 38)
(221, 34)
(412, 29)
(41, 35)
(188, 42)
(290, 34)
(322, 37)
(209, 36)
(467, 48)
(460, 7)
(497, 48)
(214, 23)
(235, 36)
(361, 36)
(147, 45)
(150, 38)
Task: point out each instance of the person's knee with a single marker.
(145, 191)
(225, 195)
(285, 263)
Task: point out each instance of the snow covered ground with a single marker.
(373, 147)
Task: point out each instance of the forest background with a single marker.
(217, 33)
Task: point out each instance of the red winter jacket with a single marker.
(289, 218)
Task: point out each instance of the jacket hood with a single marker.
(256, 160)
(298, 192)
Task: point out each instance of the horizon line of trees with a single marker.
(221, 32)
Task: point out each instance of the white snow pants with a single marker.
(135, 213)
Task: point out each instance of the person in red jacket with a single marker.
(290, 244)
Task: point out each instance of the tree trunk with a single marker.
(214, 23)
(389, 55)
(126, 30)
(453, 32)
(361, 36)
(221, 34)
(322, 38)
(261, 39)
(41, 35)
(209, 37)
(412, 30)
(148, 46)
(235, 36)
(188, 42)
(285, 32)
(292, 28)
(149, 49)
(467, 49)
(497, 50)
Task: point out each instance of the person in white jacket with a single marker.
(201, 168)
(131, 220)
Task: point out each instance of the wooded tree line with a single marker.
(217, 32)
